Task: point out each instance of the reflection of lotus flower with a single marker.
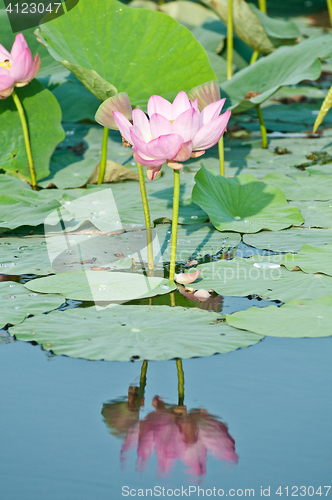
(17, 68)
(176, 434)
(173, 133)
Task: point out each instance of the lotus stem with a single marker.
(229, 40)
(329, 7)
(180, 382)
(263, 128)
(64, 6)
(254, 57)
(20, 110)
(176, 200)
(146, 216)
(262, 5)
(221, 156)
(102, 165)
(142, 382)
(172, 299)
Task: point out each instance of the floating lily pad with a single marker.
(318, 187)
(298, 63)
(70, 96)
(311, 259)
(125, 333)
(288, 240)
(243, 204)
(144, 53)
(262, 276)
(17, 303)
(315, 213)
(298, 318)
(102, 286)
(24, 214)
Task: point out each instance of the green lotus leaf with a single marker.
(311, 259)
(70, 96)
(43, 114)
(262, 276)
(243, 204)
(130, 333)
(299, 187)
(288, 240)
(17, 303)
(101, 286)
(259, 31)
(315, 213)
(298, 63)
(144, 53)
(297, 318)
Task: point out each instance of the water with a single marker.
(274, 397)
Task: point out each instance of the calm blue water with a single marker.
(275, 398)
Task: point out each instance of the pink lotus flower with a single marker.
(173, 132)
(17, 68)
(177, 434)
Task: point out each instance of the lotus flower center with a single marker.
(5, 64)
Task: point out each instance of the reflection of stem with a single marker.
(26, 137)
(172, 297)
(102, 165)
(254, 56)
(221, 156)
(262, 5)
(176, 199)
(142, 383)
(180, 382)
(146, 216)
(263, 128)
(229, 40)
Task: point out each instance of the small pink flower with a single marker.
(173, 133)
(186, 278)
(17, 68)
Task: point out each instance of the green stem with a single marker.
(146, 216)
(221, 156)
(142, 382)
(180, 382)
(172, 299)
(26, 137)
(176, 200)
(329, 6)
(102, 165)
(254, 57)
(263, 128)
(229, 40)
(262, 5)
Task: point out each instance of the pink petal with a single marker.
(211, 111)
(180, 104)
(196, 154)
(206, 94)
(186, 278)
(157, 104)
(194, 104)
(139, 158)
(141, 121)
(174, 165)
(187, 124)
(19, 45)
(21, 66)
(165, 146)
(6, 84)
(119, 102)
(123, 125)
(210, 134)
(140, 145)
(160, 126)
(152, 172)
(4, 54)
(34, 69)
(184, 152)
(201, 295)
